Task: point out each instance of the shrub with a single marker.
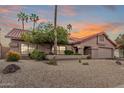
(37, 55)
(68, 52)
(86, 63)
(13, 56)
(80, 60)
(52, 61)
(41, 56)
(88, 57)
(33, 54)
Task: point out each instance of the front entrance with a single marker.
(76, 49)
(87, 50)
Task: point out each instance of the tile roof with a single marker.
(16, 33)
(82, 36)
(75, 37)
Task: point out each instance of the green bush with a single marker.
(37, 55)
(13, 56)
(68, 52)
(33, 54)
(52, 61)
(80, 60)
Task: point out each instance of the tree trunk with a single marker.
(23, 25)
(55, 32)
(37, 46)
(33, 26)
(51, 52)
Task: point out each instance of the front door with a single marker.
(87, 51)
(76, 49)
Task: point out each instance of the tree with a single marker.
(69, 27)
(45, 35)
(23, 18)
(27, 37)
(62, 37)
(34, 18)
(45, 27)
(49, 36)
(35, 37)
(120, 40)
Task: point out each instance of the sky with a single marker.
(109, 19)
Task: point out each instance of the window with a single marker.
(60, 49)
(31, 48)
(25, 48)
(121, 53)
(101, 38)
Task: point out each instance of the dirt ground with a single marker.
(71, 73)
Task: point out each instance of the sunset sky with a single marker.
(93, 18)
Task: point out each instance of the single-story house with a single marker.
(95, 44)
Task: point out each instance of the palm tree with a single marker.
(23, 18)
(69, 27)
(34, 18)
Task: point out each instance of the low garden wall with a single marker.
(66, 57)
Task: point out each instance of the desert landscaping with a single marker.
(99, 73)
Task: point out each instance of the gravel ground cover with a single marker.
(67, 74)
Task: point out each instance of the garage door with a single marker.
(105, 53)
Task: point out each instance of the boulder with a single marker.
(118, 62)
(10, 69)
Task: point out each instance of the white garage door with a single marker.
(105, 53)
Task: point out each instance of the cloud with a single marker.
(42, 20)
(96, 27)
(93, 28)
(78, 25)
(67, 10)
(100, 27)
(116, 27)
(10, 23)
(3, 10)
(9, 9)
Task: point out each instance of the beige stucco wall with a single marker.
(15, 45)
(95, 46)
(92, 42)
(4, 51)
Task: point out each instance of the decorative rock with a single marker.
(118, 62)
(10, 69)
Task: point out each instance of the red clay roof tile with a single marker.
(16, 33)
